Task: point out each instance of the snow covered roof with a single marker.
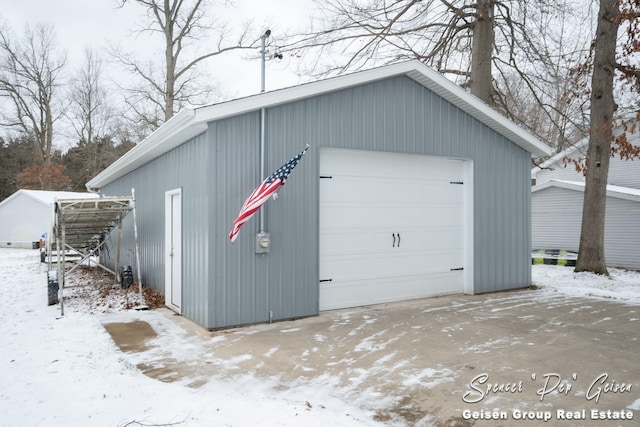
(191, 122)
(626, 193)
(48, 197)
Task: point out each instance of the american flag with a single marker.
(260, 195)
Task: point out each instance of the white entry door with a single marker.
(173, 249)
(391, 227)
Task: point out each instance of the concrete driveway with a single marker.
(525, 357)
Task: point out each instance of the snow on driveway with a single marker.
(398, 364)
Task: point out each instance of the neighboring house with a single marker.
(411, 188)
(27, 214)
(557, 200)
(624, 173)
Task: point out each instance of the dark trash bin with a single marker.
(52, 287)
(126, 276)
(35, 245)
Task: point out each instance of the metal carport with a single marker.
(82, 226)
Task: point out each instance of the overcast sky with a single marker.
(96, 23)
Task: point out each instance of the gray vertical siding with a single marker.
(394, 115)
(226, 285)
(238, 286)
(184, 167)
(250, 288)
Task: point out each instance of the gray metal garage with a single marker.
(411, 187)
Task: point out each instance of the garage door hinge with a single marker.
(456, 182)
(326, 280)
(326, 177)
(457, 269)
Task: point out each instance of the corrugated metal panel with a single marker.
(557, 219)
(395, 115)
(502, 215)
(239, 286)
(219, 169)
(185, 167)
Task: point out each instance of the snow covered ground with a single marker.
(67, 370)
(622, 285)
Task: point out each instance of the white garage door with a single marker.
(391, 227)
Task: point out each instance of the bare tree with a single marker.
(89, 112)
(93, 121)
(612, 14)
(505, 51)
(491, 47)
(30, 77)
(551, 100)
(483, 36)
(164, 89)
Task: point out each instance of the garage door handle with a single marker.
(398, 239)
(394, 240)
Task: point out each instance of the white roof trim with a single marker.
(189, 123)
(177, 130)
(561, 155)
(616, 191)
(47, 197)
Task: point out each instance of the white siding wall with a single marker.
(22, 221)
(625, 173)
(556, 216)
(556, 223)
(622, 233)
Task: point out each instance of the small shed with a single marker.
(558, 197)
(27, 215)
(411, 188)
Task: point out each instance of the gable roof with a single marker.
(191, 122)
(48, 197)
(582, 145)
(616, 191)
